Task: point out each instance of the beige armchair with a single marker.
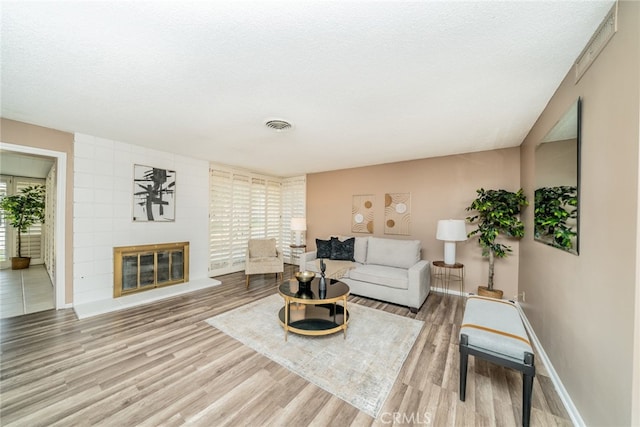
(263, 257)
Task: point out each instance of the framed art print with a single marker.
(154, 194)
(397, 213)
(362, 214)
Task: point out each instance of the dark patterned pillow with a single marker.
(342, 250)
(323, 248)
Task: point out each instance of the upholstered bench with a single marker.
(493, 330)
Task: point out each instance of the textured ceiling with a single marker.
(362, 82)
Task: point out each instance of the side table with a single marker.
(446, 274)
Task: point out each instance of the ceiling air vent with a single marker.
(278, 125)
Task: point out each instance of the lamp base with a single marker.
(450, 253)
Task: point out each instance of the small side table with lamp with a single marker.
(448, 271)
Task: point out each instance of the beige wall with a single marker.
(582, 307)
(440, 188)
(19, 133)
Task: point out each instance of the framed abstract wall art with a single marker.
(362, 214)
(154, 192)
(397, 213)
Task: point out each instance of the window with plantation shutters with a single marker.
(4, 227)
(220, 215)
(294, 197)
(241, 219)
(273, 208)
(243, 205)
(49, 251)
(258, 229)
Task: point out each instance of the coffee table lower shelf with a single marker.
(310, 319)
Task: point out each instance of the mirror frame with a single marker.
(562, 190)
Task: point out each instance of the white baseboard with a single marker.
(449, 291)
(95, 308)
(555, 379)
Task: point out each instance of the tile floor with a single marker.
(25, 291)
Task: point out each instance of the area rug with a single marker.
(360, 369)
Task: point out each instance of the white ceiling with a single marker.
(363, 82)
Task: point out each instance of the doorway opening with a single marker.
(48, 241)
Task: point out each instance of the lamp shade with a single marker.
(451, 230)
(298, 224)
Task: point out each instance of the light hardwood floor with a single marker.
(25, 291)
(162, 364)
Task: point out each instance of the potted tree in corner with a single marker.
(22, 210)
(497, 213)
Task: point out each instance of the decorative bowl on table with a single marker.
(305, 276)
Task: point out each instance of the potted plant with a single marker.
(22, 210)
(497, 213)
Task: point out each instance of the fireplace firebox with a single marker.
(142, 267)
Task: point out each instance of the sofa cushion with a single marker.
(342, 251)
(323, 248)
(392, 252)
(391, 277)
(360, 249)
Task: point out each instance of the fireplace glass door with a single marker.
(138, 268)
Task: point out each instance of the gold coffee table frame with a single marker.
(314, 321)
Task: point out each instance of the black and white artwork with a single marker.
(154, 194)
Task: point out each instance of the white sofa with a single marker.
(385, 269)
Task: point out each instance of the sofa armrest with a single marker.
(419, 281)
(306, 257)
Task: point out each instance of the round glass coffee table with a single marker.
(308, 311)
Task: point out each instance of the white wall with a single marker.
(103, 193)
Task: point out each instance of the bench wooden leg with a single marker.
(464, 359)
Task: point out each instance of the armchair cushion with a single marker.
(262, 248)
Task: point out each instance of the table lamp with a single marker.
(451, 231)
(298, 225)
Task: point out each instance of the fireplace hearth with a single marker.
(143, 267)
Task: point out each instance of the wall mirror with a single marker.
(557, 183)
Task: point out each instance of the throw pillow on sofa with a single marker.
(323, 248)
(359, 248)
(342, 251)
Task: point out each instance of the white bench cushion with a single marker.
(495, 326)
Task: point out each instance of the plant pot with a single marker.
(20, 263)
(483, 291)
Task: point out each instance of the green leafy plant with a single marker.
(497, 213)
(554, 208)
(24, 209)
